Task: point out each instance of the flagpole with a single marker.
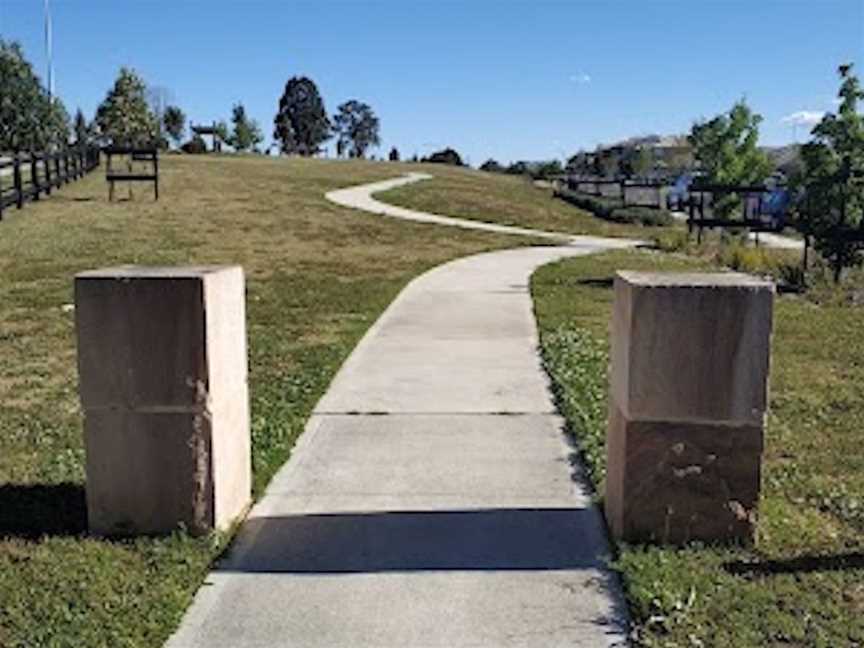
(49, 51)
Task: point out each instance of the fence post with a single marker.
(46, 163)
(19, 189)
(34, 176)
(58, 177)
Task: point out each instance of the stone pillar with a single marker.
(163, 370)
(690, 356)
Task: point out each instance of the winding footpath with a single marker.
(433, 499)
(361, 197)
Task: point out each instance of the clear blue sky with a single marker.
(504, 79)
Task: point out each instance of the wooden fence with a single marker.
(629, 192)
(28, 177)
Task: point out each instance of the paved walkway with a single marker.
(360, 197)
(433, 499)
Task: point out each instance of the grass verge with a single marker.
(317, 276)
(803, 582)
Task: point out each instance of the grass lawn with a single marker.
(317, 276)
(803, 582)
(503, 199)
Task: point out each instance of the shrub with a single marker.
(672, 241)
(447, 156)
(642, 216)
(195, 146)
(610, 209)
(600, 207)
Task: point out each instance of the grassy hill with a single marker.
(317, 276)
(502, 199)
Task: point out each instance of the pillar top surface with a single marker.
(156, 272)
(693, 280)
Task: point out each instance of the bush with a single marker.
(447, 156)
(195, 146)
(642, 216)
(610, 209)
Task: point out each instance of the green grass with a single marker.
(502, 199)
(803, 582)
(317, 276)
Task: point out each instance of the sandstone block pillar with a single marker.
(163, 382)
(688, 393)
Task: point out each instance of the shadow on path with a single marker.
(409, 541)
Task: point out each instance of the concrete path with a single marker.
(360, 197)
(433, 499)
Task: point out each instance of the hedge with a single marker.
(610, 209)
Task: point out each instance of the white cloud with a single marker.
(580, 78)
(803, 118)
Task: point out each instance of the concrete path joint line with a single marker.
(444, 523)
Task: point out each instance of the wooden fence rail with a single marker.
(27, 177)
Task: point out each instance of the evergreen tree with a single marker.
(123, 117)
(301, 125)
(29, 119)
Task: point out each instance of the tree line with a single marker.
(134, 114)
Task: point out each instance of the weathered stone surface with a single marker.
(690, 357)
(673, 482)
(691, 346)
(163, 381)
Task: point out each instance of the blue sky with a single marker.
(503, 79)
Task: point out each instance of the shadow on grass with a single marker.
(799, 565)
(31, 511)
(602, 282)
(73, 199)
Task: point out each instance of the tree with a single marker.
(222, 135)
(492, 166)
(301, 125)
(247, 134)
(446, 156)
(123, 117)
(727, 150)
(29, 119)
(174, 121)
(356, 126)
(82, 130)
(394, 155)
(831, 206)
